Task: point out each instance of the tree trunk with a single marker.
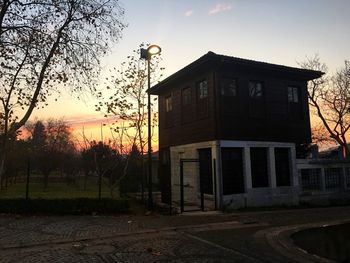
(142, 178)
(2, 168)
(345, 151)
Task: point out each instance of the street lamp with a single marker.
(147, 54)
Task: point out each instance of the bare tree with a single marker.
(105, 161)
(320, 135)
(46, 45)
(329, 98)
(127, 99)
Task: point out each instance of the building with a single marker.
(229, 132)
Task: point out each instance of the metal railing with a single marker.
(323, 174)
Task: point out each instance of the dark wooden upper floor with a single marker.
(226, 98)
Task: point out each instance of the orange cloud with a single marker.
(90, 127)
(88, 120)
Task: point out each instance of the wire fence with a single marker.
(26, 180)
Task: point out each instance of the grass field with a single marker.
(56, 189)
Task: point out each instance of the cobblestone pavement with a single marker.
(236, 237)
(164, 247)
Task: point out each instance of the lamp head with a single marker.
(150, 51)
(153, 50)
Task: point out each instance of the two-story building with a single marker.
(230, 130)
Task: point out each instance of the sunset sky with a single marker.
(276, 31)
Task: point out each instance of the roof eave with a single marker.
(194, 65)
(303, 74)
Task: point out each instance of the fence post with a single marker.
(201, 186)
(181, 186)
(322, 179)
(143, 178)
(99, 186)
(28, 176)
(343, 178)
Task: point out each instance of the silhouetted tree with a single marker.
(130, 183)
(17, 160)
(51, 145)
(102, 160)
(329, 98)
(69, 165)
(39, 136)
(46, 45)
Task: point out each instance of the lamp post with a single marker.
(147, 54)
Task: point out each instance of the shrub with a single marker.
(64, 206)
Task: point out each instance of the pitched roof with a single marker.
(304, 74)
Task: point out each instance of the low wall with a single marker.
(260, 197)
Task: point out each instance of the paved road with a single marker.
(237, 237)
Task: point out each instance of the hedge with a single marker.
(75, 206)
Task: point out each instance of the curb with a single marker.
(279, 238)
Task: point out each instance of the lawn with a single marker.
(56, 189)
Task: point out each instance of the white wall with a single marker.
(266, 196)
(191, 171)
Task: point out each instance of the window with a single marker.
(232, 171)
(255, 89)
(202, 89)
(295, 111)
(256, 102)
(258, 160)
(202, 99)
(186, 96)
(168, 111)
(282, 167)
(168, 104)
(293, 94)
(229, 96)
(229, 87)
